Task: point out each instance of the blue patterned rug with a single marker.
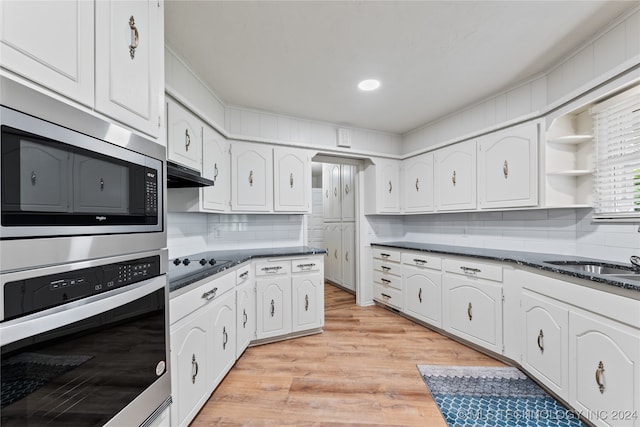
(474, 396)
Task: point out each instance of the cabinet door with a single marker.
(473, 310)
(292, 180)
(308, 301)
(348, 184)
(130, 62)
(335, 237)
(455, 169)
(604, 374)
(348, 256)
(423, 294)
(418, 184)
(184, 136)
(222, 339)
(331, 191)
(546, 342)
(51, 44)
(45, 178)
(508, 167)
(252, 177)
(273, 306)
(216, 167)
(100, 186)
(245, 317)
(389, 186)
(189, 368)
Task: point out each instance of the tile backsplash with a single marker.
(189, 233)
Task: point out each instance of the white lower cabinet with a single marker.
(222, 341)
(387, 277)
(189, 368)
(546, 341)
(307, 295)
(273, 298)
(245, 310)
(604, 370)
(423, 293)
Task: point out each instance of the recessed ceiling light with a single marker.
(370, 84)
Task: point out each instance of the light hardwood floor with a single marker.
(360, 371)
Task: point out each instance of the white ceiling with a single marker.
(305, 58)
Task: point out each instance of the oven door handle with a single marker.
(55, 317)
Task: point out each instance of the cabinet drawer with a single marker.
(388, 296)
(269, 268)
(387, 267)
(387, 279)
(473, 269)
(302, 265)
(242, 274)
(189, 302)
(386, 254)
(421, 260)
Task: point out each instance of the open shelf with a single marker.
(573, 172)
(571, 139)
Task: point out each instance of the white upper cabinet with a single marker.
(215, 166)
(508, 167)
(130, 62)
(417, 178)
(184, 136)
(292, 180)
(384, 194)
(348, 183)
(51, 44)
(252, 177)
(455, 170)
(331, 192)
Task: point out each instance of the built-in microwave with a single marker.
(57, 182)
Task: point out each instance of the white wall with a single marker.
(189, 233)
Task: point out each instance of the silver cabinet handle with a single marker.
(385, 280)
(335, 254)
(385, 268)
(306, 266)
(245, 317)
(505, 169)
(384, 255)
(273, 308)
(453, 178)
(225, 337)
(135, 37)
(599, 374)
(34, 178)
(470, 312)
(346, 256)
(346, 189)
(390, 187)
(244, 275)
(420, 261)
(101, 184)
(194, 369)
(386, 296)
(291, 180)
(187, 140)
(306, 303)
(335, 192)
(251, 178)
(215, 172)
(471, 271)
(271, 270)
(326, 194)
(209, 295)
(417, 187)
(541, 341)
(420, 295)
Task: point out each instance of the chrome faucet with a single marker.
(635, 261)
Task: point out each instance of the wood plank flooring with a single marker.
(360, 372)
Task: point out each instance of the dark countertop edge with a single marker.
(529, 259)
(234, 258)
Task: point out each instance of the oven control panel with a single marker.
(27, 296)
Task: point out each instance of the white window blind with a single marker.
(616, 124)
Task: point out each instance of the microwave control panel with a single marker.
(27, 296)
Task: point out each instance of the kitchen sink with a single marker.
(597, 268)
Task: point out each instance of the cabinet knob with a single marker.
(215, 172)
(187, 140)
(599, 375)
(335, 192)
(225, 337)
(420, 295)
(244, 315)
(453, 178)
(470, 312)
(346, 189)
(101, 184)
(194, 369)
(273, 308)
(251, 178)
(291, 180)
(417, 186)
(135, 37)
(540, 341)
(306, 303)
(505, 169)
(346, 256)
(335, 254)
(34, 178)
(390, 187)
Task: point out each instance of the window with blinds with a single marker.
(616, 126)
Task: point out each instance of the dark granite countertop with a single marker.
(530, 259)
(236, 257)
